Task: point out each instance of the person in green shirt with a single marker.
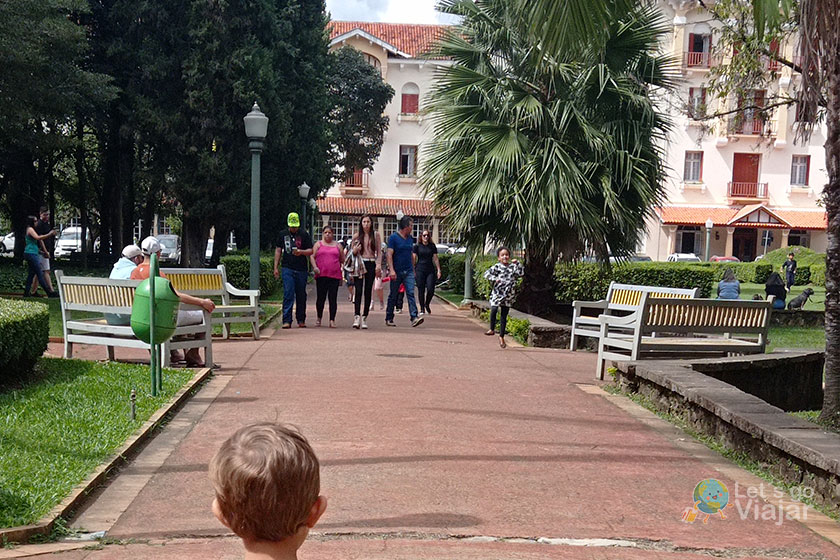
(32, 256)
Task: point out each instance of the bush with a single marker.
(238, 269)
(762, 272)
(802, 276)
(13, 273)
(455, 272)
(517, 328)
(818, 274)
(24, 335)
(590, 281)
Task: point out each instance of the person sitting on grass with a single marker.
(775, 286)
(151, 246)
(267, 482)
(729, 287)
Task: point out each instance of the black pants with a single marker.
(326, 287)
(503, 322)
(425, 287)
(367, 280)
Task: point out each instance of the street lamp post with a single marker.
(256, 129)
(313, 208)
(709, 225)
(303, 191)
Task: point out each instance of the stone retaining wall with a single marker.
(795, 450)
(785, 318)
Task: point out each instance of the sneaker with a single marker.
(287, 325)
(417, 321)
(301, 325)
(398, 311)
(390, 324)
(364, 322)
(421, 313)
(356, 322)
(381, 306)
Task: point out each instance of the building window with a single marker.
(699, 49)
(799, 237)
(693, 171)
(410, 99)
(420, 224)
(446, 236)
(696, 102)
(389, 227)
(408, 161)
(344, 226)
(688, 239)
(799, 169)
(373, 61)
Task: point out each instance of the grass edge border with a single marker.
(23, 533)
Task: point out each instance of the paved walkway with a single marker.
(435, 443)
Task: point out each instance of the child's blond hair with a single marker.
(266, 478)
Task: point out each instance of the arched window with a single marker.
(410, 99)
(373, 61)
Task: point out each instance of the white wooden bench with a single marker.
(210, 282)
(104, 296)
(622, 298)
(701, 326)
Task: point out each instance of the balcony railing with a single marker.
(357, 183)
(747, 190)
(746, 126)
(698, 60)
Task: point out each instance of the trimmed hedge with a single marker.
(238, 269)
(25, 333)
(452, 267)
(818, 274)
(590, 281)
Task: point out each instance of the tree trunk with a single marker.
(537, 294)
(219, 245)
(81, 177)
(193, 241)
(831, 195)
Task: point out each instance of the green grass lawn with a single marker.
(796, 337)
(815, 303)
(57, 429)
(450, 296)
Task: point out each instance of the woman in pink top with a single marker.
(327, 256)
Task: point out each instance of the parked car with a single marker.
(7, 243)
(70, 241)
(208, 252)
(442, 248)
(170, 248)
(632, 258)
(725, 259)
(456, 250)
(683, 257)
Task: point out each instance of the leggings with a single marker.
(503, 322)
(425, 287)
(367, 280)
(326, 287)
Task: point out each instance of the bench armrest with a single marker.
(242, 293)
(614, 321)
(600, 304)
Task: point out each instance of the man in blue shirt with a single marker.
(400, 256)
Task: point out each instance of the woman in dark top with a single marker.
(426, 270)
(775, 286)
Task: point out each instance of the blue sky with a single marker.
(390, 11)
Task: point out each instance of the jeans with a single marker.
(502, 322)
(367, 280)
(790, 278)
(425, 286)
(404, 277)
(326, 287)
(294, 292)
(34, 262)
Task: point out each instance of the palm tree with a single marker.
(558, 150)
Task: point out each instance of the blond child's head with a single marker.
(267, 483)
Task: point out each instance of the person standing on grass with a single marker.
(401, 264)
(43, 227)
(32, 256)
(294, 246)
(326, 259)
(427, 270)
(789, 268)
(502, 276)
(366, 244)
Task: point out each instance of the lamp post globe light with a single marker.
(303, 191)
(256, 129)
(709, 225)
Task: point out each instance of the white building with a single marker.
(745, 177)
(392, 185)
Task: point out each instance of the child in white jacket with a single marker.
(503, 276)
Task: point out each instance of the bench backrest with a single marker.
(98, 295)
(628, 297)
(198, 281)
(715, 316)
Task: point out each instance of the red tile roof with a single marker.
(375, 206)
(409, 38)
(721, 216)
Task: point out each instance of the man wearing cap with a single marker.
(131, 257)
(294, 247)
(151, 246)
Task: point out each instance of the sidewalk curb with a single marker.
(45, 525)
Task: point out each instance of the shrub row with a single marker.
(24, 332)
(590, 281)
(238, 269)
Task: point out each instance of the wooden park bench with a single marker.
(104, 296)
(684, 328)
(212, 282)
(621, 299)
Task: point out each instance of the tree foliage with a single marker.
(358, 97)
(558, 150)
